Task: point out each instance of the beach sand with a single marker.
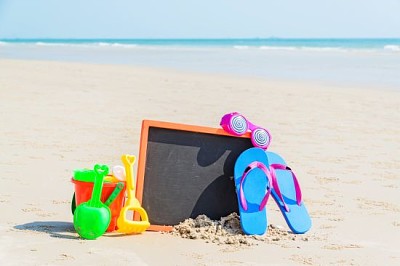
(343, 143)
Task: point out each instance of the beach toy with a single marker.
(287, 194)
(118, 172)
(253, 184)
(83, 193)
(84, 175)
(73, 204)
(118, 188)
(92, 218)
(88, 175)
(236, 124)
(111, 179)
(115, 193)
(133, 204)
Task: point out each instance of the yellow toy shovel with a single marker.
(133, 204)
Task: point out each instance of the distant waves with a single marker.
(348, 62)
(389, 47)
(313, 45)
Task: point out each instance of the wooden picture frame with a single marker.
(186, 170)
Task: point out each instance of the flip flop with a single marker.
(253, 186)
(287, 194)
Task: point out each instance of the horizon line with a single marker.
(203, 38)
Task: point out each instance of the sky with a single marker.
(199, 18)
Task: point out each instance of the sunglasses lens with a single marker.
(238, 124)
(261, 138)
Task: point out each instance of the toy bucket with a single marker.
(83, 192)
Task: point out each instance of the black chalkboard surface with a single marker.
(185, 171)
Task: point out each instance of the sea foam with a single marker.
(241, 47)
(115, 44)
(87, 45)
(284, 48)
(390, 47)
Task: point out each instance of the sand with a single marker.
(343, 142)
(227, 231)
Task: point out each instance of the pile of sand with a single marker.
(228, 231)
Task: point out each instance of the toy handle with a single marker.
(128, 161)
(101, 171)
(114, 194)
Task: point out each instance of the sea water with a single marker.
(360, 62)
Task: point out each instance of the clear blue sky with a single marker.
(198, 18)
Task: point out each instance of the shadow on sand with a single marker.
(53, 228)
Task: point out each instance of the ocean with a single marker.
(353, 62)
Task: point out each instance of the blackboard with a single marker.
(185, 171)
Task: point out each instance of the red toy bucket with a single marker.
(83, 192)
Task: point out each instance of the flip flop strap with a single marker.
(277, 166)
(252, 166)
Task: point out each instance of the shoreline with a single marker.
(343, 143)
(280, 82)
(339, 66)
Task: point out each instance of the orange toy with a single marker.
(83, 192)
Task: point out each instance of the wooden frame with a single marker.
(146, 125)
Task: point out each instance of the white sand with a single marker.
(227, 231)
(343, 143)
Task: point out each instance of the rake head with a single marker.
(132, 227)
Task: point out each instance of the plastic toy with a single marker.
(236, 124)
(118, 172)
(88, 175)
(133, 204)
(109, 201)
(73, 204)
(114, 194)
(84, 175)
(92, 218)
(110, 179)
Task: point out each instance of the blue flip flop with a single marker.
(287, 194)
(253, 186)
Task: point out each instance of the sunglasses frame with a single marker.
(227, 126)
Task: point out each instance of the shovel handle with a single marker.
(101, 171)
(115, 193)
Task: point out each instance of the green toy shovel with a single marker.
(92, 218)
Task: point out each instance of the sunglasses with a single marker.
(236, 124)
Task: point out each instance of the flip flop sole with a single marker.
(297, 218)
(253, 221)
